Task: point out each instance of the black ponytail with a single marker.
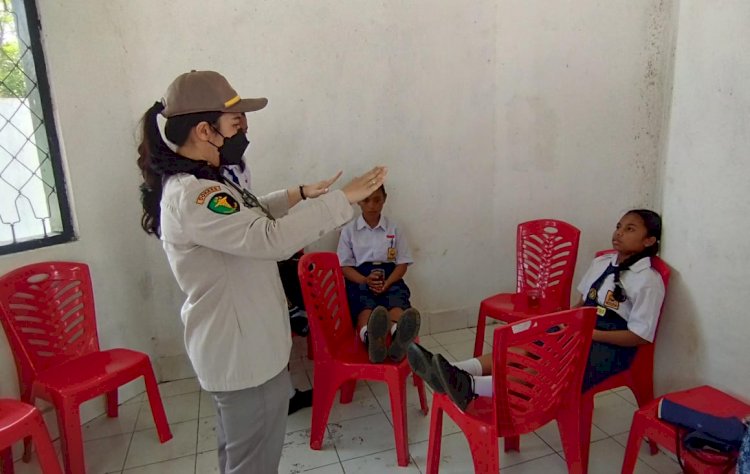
(652, 222)
(151, 188)
(157, 161)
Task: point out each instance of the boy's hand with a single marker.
(374, 283)
(382, 289)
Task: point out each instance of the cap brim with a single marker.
(247, 105)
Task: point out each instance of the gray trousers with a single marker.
(250, 426)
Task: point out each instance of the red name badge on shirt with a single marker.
(391, 248)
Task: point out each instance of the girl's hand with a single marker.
(317, 189)
(362, 186)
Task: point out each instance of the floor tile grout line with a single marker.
(132, 435)
(197, 432)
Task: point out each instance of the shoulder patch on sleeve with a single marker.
(205, 193)
(223, 203)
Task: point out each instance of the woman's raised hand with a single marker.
(321, 187)
(362, 186)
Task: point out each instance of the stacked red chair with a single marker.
(47, 311)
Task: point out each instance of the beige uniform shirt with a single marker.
(224, 258)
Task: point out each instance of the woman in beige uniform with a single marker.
(222, 244)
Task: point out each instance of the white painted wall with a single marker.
(704, 336)
(487, 113)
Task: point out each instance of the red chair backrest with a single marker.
(47, 311)
(546, 253)
(538, 367)
(324, 293)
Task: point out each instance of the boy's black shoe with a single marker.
(377, 333)
(407, 328)
(458, 383)
(298, 321)
(420, 360)
(300, 399)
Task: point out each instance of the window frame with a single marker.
(67, 234)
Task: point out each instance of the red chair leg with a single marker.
(479, 340)
(484, 452)
(45, 452)
(27, 449)
(644, 393)
(112, 409)
(512, 443)
(347, 391)
(310, 354)
(587, 414)
(569, 426)
(157, 408)
(26, 396)
(634, 445)
(6, 461)
(419, 383)
(323, 396)
(397, 394)
(69, 423)
(435, 439)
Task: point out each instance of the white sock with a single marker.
(363, 334)
(472, 366)
(483, 385)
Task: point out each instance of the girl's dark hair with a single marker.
(157, 161)
(652, 222)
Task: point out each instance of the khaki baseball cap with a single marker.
(205, 91)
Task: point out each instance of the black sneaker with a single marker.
(420, 360)
(298, 321)
(300, 399)
(377, 333)
(458, 384)
(407, 328)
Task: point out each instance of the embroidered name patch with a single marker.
(610, 301)
(205, 193)
(223, 203)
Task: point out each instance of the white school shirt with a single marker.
(239, 177)
(359, 243)
(644, 290)
(235, 315)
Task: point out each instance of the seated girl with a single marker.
(627, 293)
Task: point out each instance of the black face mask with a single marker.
(230, 153)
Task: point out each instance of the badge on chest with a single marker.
(610, 301)
(392, 254)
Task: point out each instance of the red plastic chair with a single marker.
(340, 358)
(639, 378)
(538, 366)
(646, 423)
(546, 252)
(47, 311)
(19, 421)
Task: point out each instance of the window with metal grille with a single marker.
(34, 209)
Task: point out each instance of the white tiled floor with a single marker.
(360, 434)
